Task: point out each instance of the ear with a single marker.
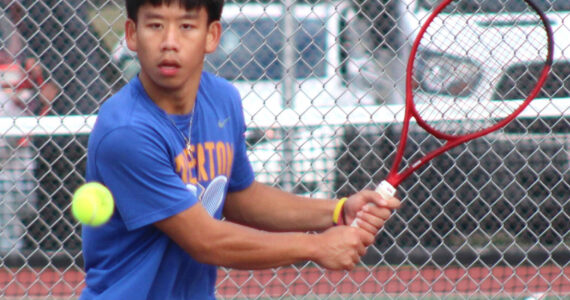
(131, 34)
(214, 35)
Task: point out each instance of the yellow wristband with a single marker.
(338, 210)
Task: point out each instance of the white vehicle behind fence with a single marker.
(438, 83)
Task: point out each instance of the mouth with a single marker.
(168, 68)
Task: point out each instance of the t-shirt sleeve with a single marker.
(135, 167)
(242, 172)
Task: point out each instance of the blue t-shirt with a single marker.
(139, 152)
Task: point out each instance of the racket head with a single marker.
(213, 195)
(473, 53)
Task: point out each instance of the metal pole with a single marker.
(289, 25)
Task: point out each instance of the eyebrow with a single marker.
(188, 15)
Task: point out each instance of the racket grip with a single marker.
(385, 189)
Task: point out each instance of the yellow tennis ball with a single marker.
(92, 204)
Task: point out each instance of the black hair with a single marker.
(213, 7)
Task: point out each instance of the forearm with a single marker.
(268, 208)
(236, 246)
(249, 248)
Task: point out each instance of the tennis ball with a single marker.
(92, 204)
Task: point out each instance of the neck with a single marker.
(177, 101)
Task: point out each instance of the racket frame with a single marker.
(394, 177)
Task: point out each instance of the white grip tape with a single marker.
(386, 190)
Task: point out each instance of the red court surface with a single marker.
(383, 280)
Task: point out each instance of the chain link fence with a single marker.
(322, 84)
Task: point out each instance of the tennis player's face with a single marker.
(171, 44)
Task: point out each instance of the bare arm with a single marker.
(232, 245)
(264, 207)
(269, 208)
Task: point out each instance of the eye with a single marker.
(187, 26)
(154, 26)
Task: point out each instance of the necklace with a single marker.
(191, 187)
(184, 136)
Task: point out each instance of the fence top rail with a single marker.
(314, 117)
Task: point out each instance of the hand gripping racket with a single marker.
(472, 54)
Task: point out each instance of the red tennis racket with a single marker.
(454, 65)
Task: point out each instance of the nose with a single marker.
(170, 39)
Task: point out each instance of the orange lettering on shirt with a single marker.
(202, 174)
(181, 163)
(211, 159)
(221, 155)
(191, 163)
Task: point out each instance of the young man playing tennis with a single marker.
(157, 145)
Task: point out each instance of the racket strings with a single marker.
(463, 58)
(213, 196)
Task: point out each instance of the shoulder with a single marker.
(127, 109)
(219, 87)
(127, 106)
(122, 102)
(118, 104)
(221, 95)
